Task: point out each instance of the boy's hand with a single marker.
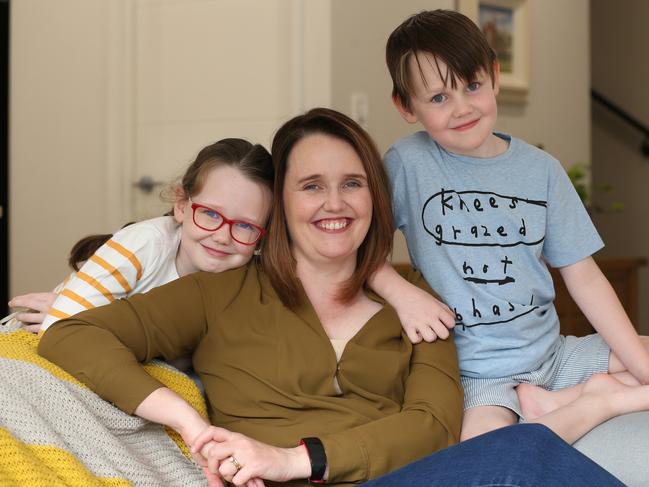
(421, 315)
(424, 317)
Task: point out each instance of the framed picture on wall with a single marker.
(506, 24)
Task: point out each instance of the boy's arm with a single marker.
(421, 315)
(597, 300)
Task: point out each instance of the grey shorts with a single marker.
(573, 362)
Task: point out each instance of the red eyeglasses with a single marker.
(209, 219)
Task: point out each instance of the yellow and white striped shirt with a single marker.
(136, 259)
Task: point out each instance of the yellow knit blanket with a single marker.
(54, 431)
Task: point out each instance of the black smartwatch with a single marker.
(317, 457)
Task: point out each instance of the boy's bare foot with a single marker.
(612, 395)
(602, 384)
(620, 397)
(536, 401)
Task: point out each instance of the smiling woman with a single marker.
(321, 366)
(334, 166)
(327, 199)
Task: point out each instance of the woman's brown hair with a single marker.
(276, 255)
(253, 160)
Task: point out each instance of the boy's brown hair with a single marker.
(449, 37)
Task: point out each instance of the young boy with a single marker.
(483, 213)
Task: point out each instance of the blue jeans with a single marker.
(521, 455)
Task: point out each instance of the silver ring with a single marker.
(235, 462)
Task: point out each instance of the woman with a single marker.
(308, 375)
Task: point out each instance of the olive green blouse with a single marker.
(269, 371)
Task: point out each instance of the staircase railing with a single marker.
(626, 117)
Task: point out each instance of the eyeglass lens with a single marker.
(212, 220)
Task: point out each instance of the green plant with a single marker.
(578, 174)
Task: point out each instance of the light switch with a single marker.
(360, 108)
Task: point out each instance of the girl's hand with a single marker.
(423, 316)
(166, 407)
(244, 461)
(36, 306)
(190, 427)
(200, 453)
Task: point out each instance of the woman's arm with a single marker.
(597, 300)
(429, 420)
(104, 347)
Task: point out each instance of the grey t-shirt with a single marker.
(481, 231)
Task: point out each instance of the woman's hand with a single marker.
(244, 461)
(423, 316)
(36, 306)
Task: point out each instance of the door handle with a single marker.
(147, 183)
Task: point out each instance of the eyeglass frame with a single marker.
(193, 205)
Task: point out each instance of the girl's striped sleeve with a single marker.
(113, 272)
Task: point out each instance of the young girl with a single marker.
(221, 207)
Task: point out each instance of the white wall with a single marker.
(558, 110)
(58, 138)
(360, 29)
(106, 91)
(621, 73)
(557, 113)
(57, 135)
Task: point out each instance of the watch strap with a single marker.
(317, 457)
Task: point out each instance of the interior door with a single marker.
(208, 69)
